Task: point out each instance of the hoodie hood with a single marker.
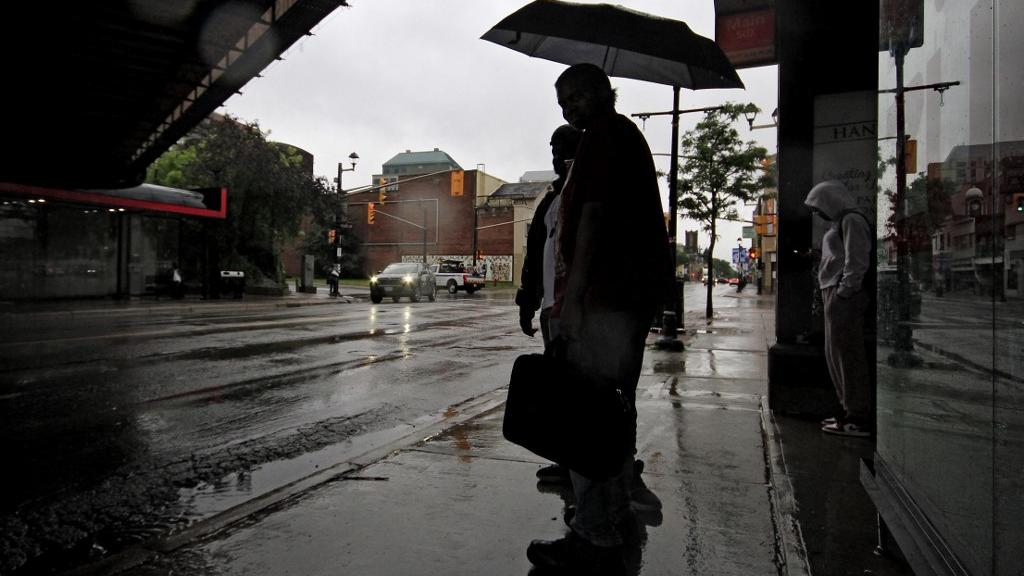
(831, 198)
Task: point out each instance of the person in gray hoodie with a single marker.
(846, 253)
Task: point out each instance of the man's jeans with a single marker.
(608, 349)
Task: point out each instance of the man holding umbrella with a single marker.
(610, 212)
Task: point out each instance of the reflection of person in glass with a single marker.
(846, 253)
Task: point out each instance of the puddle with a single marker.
(211, 498)
(668, 366)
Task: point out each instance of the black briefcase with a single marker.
(559, 416)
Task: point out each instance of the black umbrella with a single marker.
(626, 44)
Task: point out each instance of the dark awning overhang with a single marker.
(95, 91)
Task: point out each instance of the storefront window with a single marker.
(951, 349)
(54, 251)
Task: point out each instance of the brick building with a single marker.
(427, 212)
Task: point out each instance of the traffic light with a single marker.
(752, 253)
(332, 236)
(910, 155)
(1020, 202)
(370, 209)
(382, 193)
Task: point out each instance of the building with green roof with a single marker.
(411, 163)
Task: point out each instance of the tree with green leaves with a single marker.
(722, 269)
(269, 193)
(327, 214)
(718, 171)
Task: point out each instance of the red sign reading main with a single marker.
(747, 38)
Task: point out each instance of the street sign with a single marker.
(747, 37)
(740, 257)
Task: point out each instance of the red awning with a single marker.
(205, 203)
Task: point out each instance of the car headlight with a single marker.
(373, 279)
(407, 279)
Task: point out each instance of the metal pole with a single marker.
(903, 355)
(337, 222)
(424, 235)
(672, 319)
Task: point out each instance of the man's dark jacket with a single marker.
(531, 288)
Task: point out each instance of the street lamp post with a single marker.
(353, 158)
(750, 113)
(343, 207)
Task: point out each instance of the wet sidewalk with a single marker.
(465, 501)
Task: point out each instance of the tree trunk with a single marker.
(709, 310)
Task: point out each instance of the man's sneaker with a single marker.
(829, 421)
(641, 499)
(553, 473)
(840, 428)
(575, 555)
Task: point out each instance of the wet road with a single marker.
(126, 424)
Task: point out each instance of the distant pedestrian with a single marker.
(333, 278)
(846, 254)
(177, 282)
(489, 273)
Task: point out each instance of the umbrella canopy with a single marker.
(624, 42)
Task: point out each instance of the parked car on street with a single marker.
(453, 276)
(411, 279)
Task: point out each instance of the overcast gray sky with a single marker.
(384, 76)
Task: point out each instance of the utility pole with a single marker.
(903, 353)
(903, 347)
(341, 207)
(475, 228)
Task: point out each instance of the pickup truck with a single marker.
(453, 276)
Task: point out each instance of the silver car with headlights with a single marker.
(410, 279)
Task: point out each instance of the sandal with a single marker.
(846, 429)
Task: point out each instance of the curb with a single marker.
(790, 549)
